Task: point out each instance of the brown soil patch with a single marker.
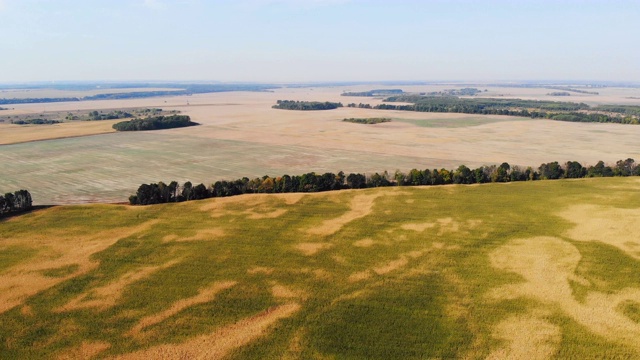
(281, 291)
(312, 248)
(86, 350)
(526, 338)
(14, 134)
(272, 214)
(221, 342)
(360, 206)
(107, 296)
(25, 280)
(204, 296)
(616, 227)
(448, 225)
(391, 266)
(417, 227)
(548, 265)
(359, 276)
(260, 270)
(26, 310)
(205, 234)
(364, 243)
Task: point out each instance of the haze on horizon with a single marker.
(318, 40)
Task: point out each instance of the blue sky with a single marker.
(319, 40)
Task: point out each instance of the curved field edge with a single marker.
(492, 271)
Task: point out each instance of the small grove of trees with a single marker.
(368, 121)
(306, 105)
(311, 182)
(16, 202)
(35, 122)
(155, 123)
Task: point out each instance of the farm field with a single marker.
(527, 270)
(241, 135)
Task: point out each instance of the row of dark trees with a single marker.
(37, 121)
(306, 105)
(554, 110)
(311, 182)
(155, 123)
(16, 202)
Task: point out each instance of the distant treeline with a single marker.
(155, 123)
(566, 88)
(306, 105)
(5, 101)
(377, 92)
(16, 202)
(180, 89)
(559, 93)
(35, 122)
(148, 194)
(455, 92)
(368, 121)
(554, 110)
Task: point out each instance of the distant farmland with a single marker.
(533, 270)
(241, 135)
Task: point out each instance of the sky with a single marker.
(319, 40)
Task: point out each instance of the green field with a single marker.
(534, 270)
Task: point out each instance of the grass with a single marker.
(412, 279)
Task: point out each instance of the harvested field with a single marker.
(453, 274)
(241, 135)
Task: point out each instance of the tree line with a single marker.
(554, 110)
(37, 121)
(306, 105)
(157, 193)
(16, 202)
(368, 121)
(155, 123)
(376, 92)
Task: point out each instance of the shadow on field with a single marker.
(33, 209)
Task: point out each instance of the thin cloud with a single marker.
(152, 4)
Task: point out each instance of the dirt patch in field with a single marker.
(107, 296)
(205, 234)
(526, 338)
(360, 206)
(364, 243)
(448, 225)
(309, 249)
(204, 296)
(24, 280)
(359, 276)
(548, 266)
(260, 270)
(256, 206)
(86, 350)
(281, 291)
(271, 214)
(613, 226)
(221, 342)
(418, 227)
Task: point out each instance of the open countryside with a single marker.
(520, 270)
(242, 135)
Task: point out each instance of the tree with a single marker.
(551, 171)
(574, 170)
(599, 169)
(463, 175)
(624, 168)
(356, 181)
